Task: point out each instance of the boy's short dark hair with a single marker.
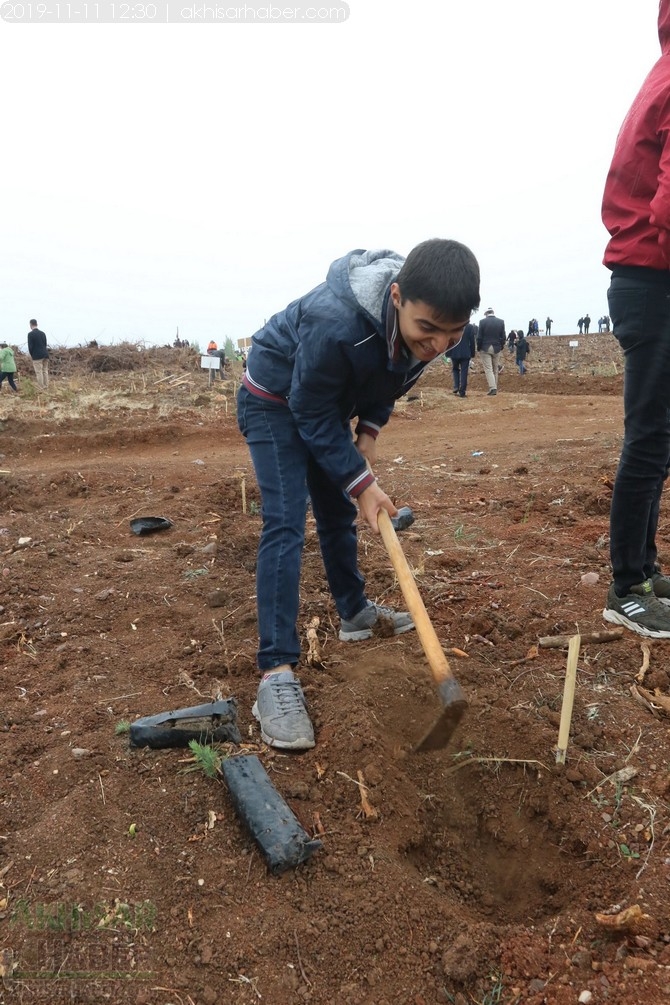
(32, 321)
(443, 274)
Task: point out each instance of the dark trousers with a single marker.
(10, 378)
(461, 368)
(639, 302)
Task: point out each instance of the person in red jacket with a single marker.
(636, 212)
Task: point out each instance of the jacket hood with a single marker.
(664, 26)
(363, 277)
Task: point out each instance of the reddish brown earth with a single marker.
(126, 877)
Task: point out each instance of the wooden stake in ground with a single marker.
(243, 489)
(568, 698)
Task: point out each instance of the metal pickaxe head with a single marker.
(454, 705)
(404, 519)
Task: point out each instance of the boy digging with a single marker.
(347, 349)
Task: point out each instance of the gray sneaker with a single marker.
(640, 610)
(360, 627)
(281, 711)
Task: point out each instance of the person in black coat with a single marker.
(39, 353)
(460, 357)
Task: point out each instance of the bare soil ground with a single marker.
(127, 876)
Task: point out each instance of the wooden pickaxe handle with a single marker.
(439, 665)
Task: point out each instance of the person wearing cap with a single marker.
(490, 344)
(7, 366)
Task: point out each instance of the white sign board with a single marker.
(573, 343)
(210, 363)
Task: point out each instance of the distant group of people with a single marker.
(604, 323)
(38, 351)
(583, 324)
(534, 327)
(488, 340)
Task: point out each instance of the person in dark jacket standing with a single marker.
(39, 354)
(522, 350)
(460, 357)
(347, 349)
(490, 343)
(636, 212)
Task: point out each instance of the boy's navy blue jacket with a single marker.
(466, 348)
(334, 354)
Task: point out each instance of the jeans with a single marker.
(461, 369)
(640, 311)
(287, 475)
(491, 364)
(10, 379)
(522, 366)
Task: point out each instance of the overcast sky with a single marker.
(201, 176)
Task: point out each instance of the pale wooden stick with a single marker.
(243, 487)
(560, 641)
(642, 672)
(369, 811)
(314, 654)
(568, 698)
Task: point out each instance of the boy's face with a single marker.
(425, 334)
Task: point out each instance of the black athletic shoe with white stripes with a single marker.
(640, 610)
